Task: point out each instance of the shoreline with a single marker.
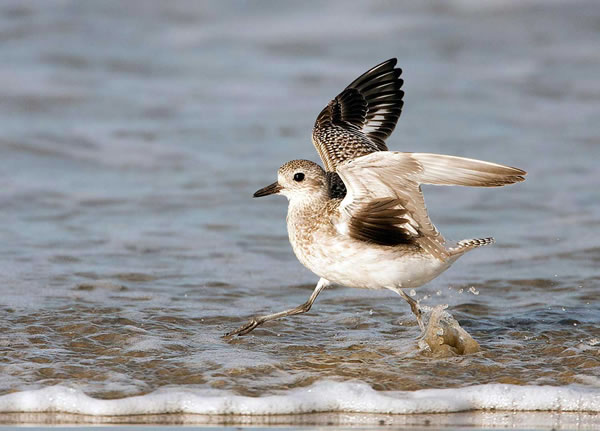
(472, 419)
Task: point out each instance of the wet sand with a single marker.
(471, 420)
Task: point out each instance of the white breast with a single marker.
(352, 263)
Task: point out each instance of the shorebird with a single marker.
(362, 222)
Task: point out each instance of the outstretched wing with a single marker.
(384, 203)
(361, 117)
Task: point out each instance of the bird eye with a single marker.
(299, 176)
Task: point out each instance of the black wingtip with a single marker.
(383, 67)
(391, 61)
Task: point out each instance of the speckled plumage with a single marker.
(362, 222)
(319, 227)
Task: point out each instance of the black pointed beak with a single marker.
(269, 190)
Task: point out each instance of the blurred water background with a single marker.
(133, 134)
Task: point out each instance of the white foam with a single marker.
(326, 396)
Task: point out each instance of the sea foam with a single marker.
(325, 396)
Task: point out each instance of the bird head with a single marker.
(298, 179)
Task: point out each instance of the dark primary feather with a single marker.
(381, 221)
(361, 117)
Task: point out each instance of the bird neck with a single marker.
(303, 209)
(304, 218)
(308, 202)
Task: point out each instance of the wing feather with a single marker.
(384, 203)
(361, 117)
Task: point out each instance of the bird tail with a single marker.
(469, 244)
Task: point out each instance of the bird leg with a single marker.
(259, 320)
(414, 306)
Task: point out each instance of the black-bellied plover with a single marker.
(362, 222)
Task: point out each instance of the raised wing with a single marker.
(361, 117)
(384, 203)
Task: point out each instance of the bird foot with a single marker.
(244, 329)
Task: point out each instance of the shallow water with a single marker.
(133, 135)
